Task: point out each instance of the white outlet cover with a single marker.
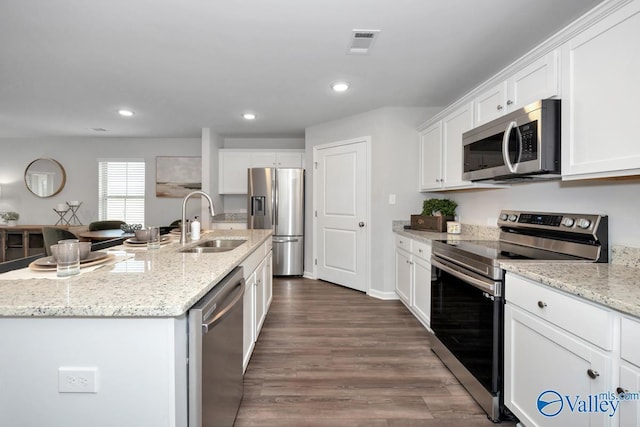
(77, 380)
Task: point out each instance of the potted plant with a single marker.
(435, 214)
(11, 218)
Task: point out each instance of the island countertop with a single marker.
(146, 283)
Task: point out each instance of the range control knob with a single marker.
(503, 217)
(583, 223)
(568, 222)
(513, 217)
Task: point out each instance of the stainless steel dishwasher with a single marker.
(215, 354)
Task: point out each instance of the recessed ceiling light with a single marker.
(249, 116)
(126, 113)
(340, 86)
(98, 129)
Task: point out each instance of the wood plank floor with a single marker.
(330, 356)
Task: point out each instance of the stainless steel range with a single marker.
(467, 305)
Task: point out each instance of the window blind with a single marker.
(121, 191)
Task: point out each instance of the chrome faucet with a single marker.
(184, 230)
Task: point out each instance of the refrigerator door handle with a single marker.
(274, 219)
(285, 241)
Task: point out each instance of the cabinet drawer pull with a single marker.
(621, 392)
(499, 107)
(542, 304)
(509, 102)
(593, 374)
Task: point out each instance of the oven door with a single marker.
(467, 316)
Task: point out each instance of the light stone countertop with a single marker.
(612, 285)
(156, 283)
(615, 285)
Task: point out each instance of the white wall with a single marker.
(394, 168)
(79, 158)
(620, 199)
(211, 143)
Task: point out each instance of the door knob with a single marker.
(361, 224)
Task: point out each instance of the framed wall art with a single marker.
(178, 176)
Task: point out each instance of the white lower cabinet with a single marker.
(413, 277)
(568, 361)
(546, 366)
(403, 276)
(257, 298)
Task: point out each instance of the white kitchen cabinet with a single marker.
(545, 363)
(257, 297)
(441, 151)
(216, 225)
(556, 345)
(233, 165)
(413, 277)
(599, 111)
(248, 322)
(277, 159)
(421, 281)
(538, 80)
(403, 270)
(629, 372)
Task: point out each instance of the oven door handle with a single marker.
(486, 287)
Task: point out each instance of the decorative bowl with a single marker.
(130, 228)
(142, 235)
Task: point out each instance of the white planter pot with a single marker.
(12, 223)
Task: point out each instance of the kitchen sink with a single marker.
(215, 246)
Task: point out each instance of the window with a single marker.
(121, 191)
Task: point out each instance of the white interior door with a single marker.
(341, 208)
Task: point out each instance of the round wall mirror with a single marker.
(45, 177)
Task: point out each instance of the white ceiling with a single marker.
(181, 65)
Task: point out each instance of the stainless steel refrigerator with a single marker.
(276, 201)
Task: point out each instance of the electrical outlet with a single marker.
(392, 199)
(77, 380)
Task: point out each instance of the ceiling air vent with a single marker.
(362, 40)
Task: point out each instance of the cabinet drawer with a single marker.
(587, 321)
(403, 243)
(629, 342)
(421, 250)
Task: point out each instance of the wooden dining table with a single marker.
(105, 234)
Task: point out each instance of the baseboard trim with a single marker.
(383, 295)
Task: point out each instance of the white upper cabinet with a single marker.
(601, 67)
(441, 151)
(233, 165)
(538, 80)
(431, 157)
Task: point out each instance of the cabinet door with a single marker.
(431, 157)
(261, 300)
(403, 276)
(232, 172)
(453, 126)
(248, 322)
(264, 159)
(600, 98)
(289, 160)
(629, 412)
(491, 104)
(537, 81)
(422, 290)
(268, 288)
(544, 364)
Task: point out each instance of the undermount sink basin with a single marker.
(215, 246)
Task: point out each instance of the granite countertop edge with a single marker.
(614, 286)
(160, 283)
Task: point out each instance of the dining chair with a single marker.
(105, 225)
(51, 235)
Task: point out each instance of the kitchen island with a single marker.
(120, 329)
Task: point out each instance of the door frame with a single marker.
(367, 144)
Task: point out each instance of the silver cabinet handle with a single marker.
(499, 107)
(361, 224)
(509, 102)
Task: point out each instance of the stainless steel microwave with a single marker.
(522, 145)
